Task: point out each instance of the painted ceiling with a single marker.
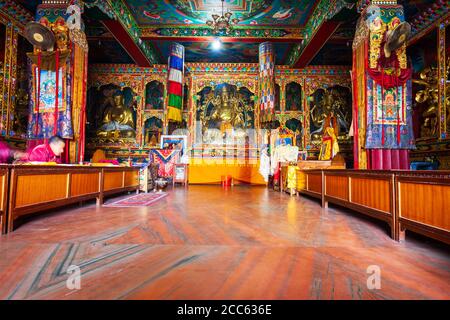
(249, 12)
(257, 15)
(229, 52)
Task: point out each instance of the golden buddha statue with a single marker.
(117, 120)
(227, 113)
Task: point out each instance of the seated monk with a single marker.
(48, 152)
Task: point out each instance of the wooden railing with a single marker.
(405, 200)
(31, 189)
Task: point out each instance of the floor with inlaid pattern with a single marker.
(205, 242)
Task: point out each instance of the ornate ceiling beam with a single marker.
(16, 12)
(123, 26)
(427, 20)
(240, 33)
(318, 30)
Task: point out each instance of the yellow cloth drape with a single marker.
(292, 177)
(208, 172)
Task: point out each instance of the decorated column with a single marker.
(267, 81)
(59, 75)
(382, 110)
(175, 83)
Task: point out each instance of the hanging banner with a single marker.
(175, 83)
(267, 82)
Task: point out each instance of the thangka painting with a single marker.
(47, 94)
(45, 123)
(389, 105)
(389, 117)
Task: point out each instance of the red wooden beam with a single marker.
(326, 30)
(128, 44)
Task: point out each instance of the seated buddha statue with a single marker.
(117, 120)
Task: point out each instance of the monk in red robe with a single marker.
(48, 152)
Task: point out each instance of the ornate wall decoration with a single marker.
(443, 73)
(361, 34)
(377, 31)
(127, 69)
(9, 71)
(313, 71)
(221, 67)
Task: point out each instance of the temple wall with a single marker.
(311, 82)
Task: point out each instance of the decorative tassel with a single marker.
(38, 92)
(399, 105)
(382, 107)
(55, 127)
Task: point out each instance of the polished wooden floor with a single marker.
(205, 242)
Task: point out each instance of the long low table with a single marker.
(405, 200)
(27, 189)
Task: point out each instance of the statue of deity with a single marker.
(117, 121)
(333, 110)
(229, 110)
(429, 95)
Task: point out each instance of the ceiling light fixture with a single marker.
(217, 44)
(223, 22)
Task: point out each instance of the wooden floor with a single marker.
(209, 243)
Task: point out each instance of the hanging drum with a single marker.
(40, 36)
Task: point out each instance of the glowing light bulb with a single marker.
(217, 44)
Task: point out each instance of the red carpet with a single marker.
(139, 200)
